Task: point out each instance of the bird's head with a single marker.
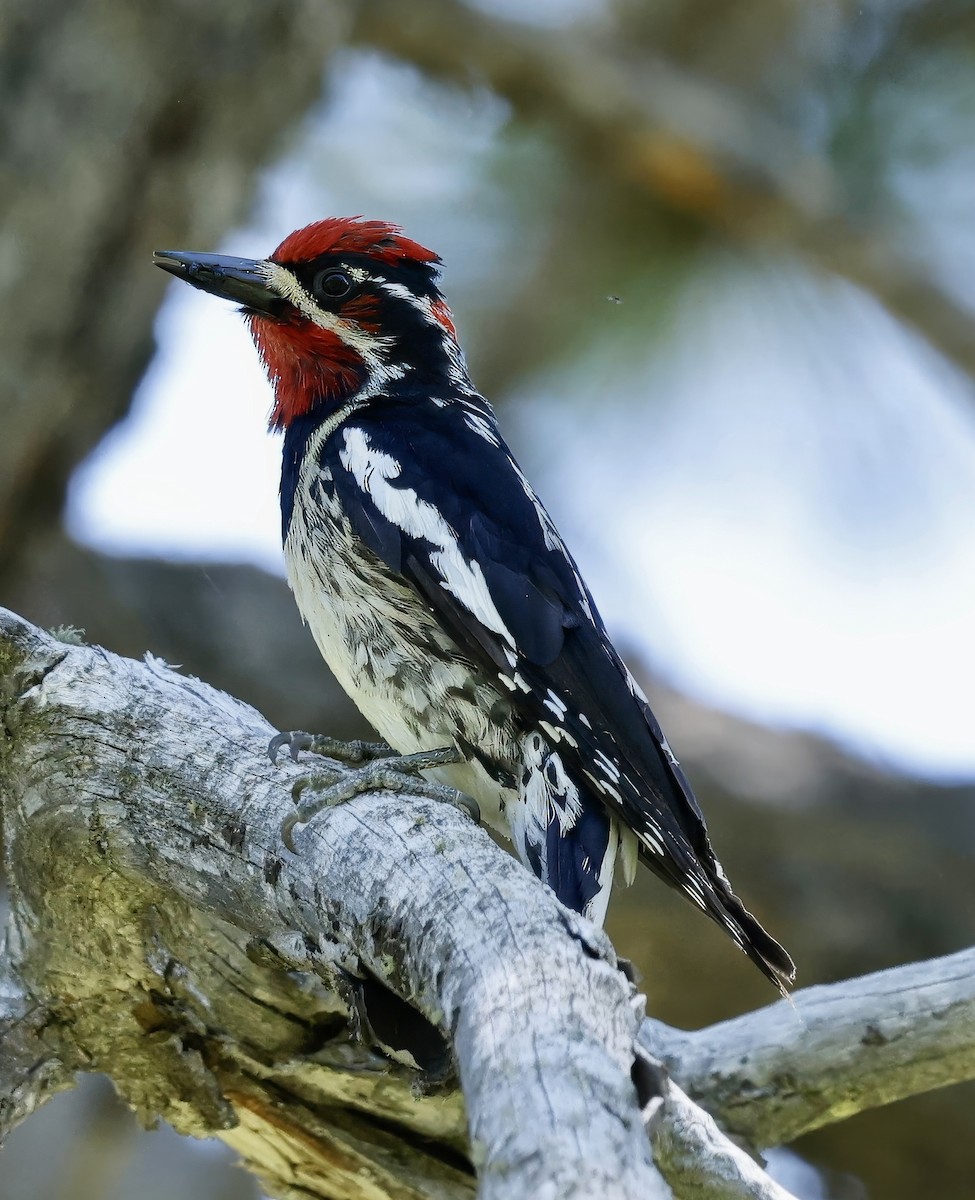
(340, 305)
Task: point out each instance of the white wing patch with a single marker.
(547, 798)
(548, 792)
(374, 470)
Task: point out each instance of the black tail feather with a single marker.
(704, 881)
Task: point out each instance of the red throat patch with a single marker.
(305, 364)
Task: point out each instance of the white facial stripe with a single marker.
(422, 304)
(369, 346)
(458, 367)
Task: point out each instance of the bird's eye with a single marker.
(332, 284)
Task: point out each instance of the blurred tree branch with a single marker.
(677, 140)
(123, 127)
(159, 934)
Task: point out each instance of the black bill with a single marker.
(241, 279)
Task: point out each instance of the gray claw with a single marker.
(468, 804)
(296, 740)
(353, 752)
(288, 826)
(398, 773)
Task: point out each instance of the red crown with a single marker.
(378, 239)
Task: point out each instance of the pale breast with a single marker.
(382, 643)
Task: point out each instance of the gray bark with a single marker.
(832, 1051)
(176, 946)
(160, 933)
(29, 1075)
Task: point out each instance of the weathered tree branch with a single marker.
(160, 933)
(216, 979)
(833, 1051)
(699, 1160)
(27, 1078)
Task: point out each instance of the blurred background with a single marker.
(714, 265)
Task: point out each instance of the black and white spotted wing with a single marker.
(434, 492)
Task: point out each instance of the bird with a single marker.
(438, 588)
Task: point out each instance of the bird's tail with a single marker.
(701, 878)
(772, 959)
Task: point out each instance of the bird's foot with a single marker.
(396, 773)
(352, 753)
